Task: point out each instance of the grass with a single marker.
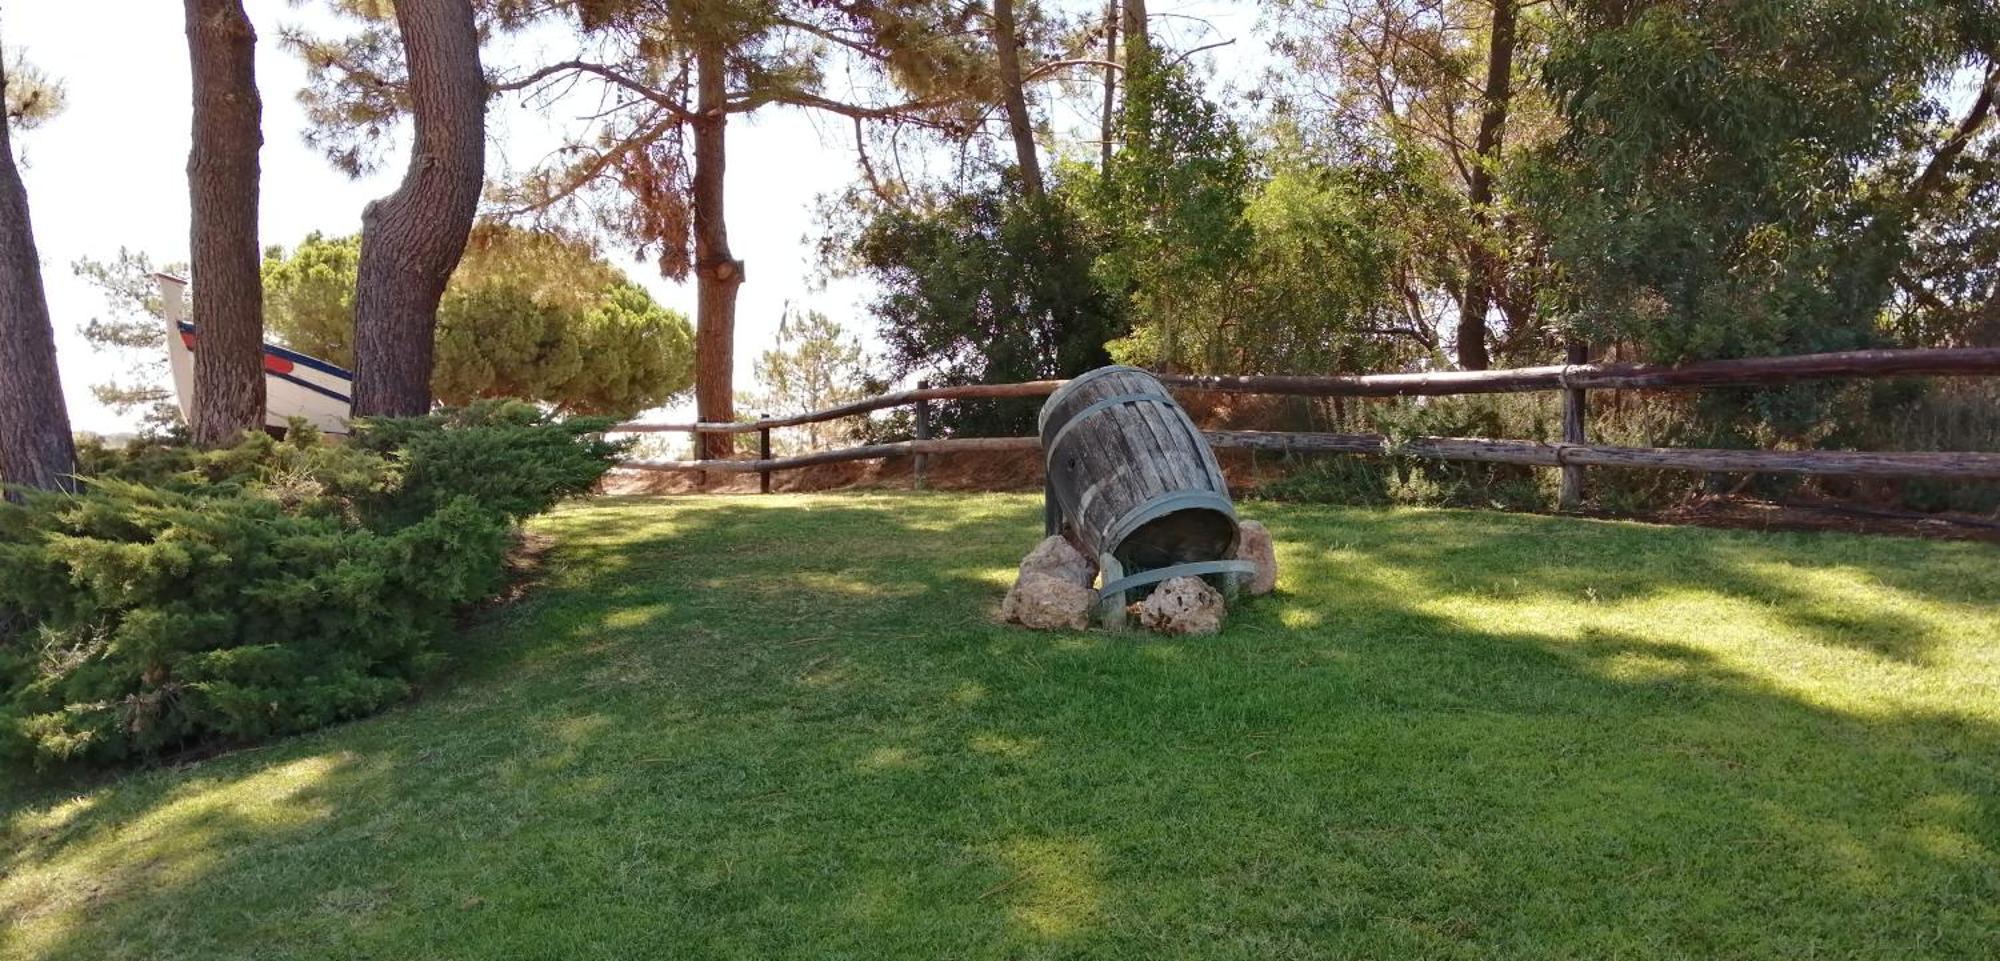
(787, 727)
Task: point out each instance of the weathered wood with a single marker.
(949, 445)
(1570, 496)
(1538, 454)
(1132, 475)
(1297, 442)
(764, 454)
(921, 430)
(1961, 465)
(1940, 362)
(1033, 388)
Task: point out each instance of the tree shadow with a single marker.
(733, 727)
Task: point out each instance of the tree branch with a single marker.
(609, 75)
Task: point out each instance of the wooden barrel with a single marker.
(1129, 476)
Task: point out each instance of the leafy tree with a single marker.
(1172, 205)
(815, 364)
(651, 169)
(222, 185)
(1740, 179)
(527, 314)
(35, 445)
(984, 286)
(1439, 94)
(134, 331)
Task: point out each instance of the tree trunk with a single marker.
(1107, 122)
(411, 240)
(36, 449)
(222, 190)
(1482, 266)
(1138, 40)
(717, 273)
(1015, 99)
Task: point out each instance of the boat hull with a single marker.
(295, 384)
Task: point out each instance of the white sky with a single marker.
(110, 171)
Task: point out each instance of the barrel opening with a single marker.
(1179, 537)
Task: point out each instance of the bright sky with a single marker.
(111, 170)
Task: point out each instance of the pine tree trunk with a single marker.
(1138, 39)
(1014, 99)
(1107, 122)
(411, 240)
(222, 189)
(36, 449)
(1482, 266)
(717, 273)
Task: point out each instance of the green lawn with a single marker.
(787, 727)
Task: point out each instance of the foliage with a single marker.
(1173, 203)
(1364, 480)
(814, 365)
(985, 286)
(1736, 179)
(1317, 291)
(1395, 87)
(134, 331)
(527, 314)
(1450, 735)
(32, 97)
(196, 598)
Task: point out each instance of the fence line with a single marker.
(1969, 465)
(1571, 455)
(1752, 372)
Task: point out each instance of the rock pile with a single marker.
(1181, 606)
(1053, 590)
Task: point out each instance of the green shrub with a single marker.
(192, 598)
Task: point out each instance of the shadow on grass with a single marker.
(789, 728)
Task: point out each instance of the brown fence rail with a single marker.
(1572, 455)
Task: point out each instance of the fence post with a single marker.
(1574, 408)
(922, 432)
(764, 453)
(694, 453)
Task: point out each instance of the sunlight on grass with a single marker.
(67, 871)
(791, 726)
(1053, 885)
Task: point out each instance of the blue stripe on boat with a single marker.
(309, 385)
(296, 358)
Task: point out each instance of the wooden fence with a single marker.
(1571, 455)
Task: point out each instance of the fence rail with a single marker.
(1571, 455)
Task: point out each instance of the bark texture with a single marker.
(1108, 119)
(411, 240)
(718, 274)
(222, 190)
(1014, 99)
(1482, 267)
(36, 449)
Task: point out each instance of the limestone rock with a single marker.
(1047, 602)
(1055, 557)
(1255, 546)
(1183, 605)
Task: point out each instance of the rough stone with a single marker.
(1057, 558)
(1182, 605)
(1047, 602)
(1256, 547)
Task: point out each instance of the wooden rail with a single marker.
(1526, 452)
(1571, 455)
(1754, 372)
